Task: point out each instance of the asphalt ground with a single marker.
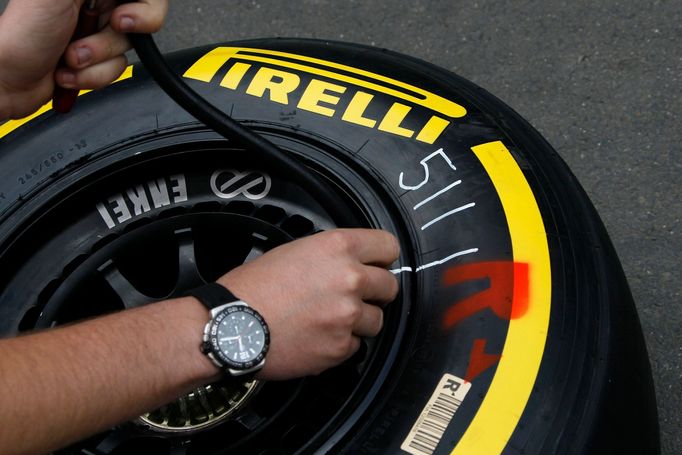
(601, 80)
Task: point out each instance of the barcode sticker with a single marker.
(437, 414)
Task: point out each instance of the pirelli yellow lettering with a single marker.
(322, 97)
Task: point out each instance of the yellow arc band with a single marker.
(503, 405)
(12, 125)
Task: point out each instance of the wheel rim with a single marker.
(253, 412)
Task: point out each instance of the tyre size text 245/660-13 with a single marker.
(40, 168)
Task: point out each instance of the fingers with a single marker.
(354, 345)
(380, 285)
(370, 322)
(97, 60)
(97, 48)
(369, 246)
(144, 16)
(92, 77)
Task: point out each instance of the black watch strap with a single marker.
(212, 295)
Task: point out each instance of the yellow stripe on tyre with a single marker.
(506, 399)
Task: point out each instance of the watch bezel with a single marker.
(214, 347)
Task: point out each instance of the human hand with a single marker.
(34, 34)
(319, 295)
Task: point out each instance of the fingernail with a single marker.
(67, 79)
(83, 54)
(126, 23)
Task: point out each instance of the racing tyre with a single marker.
(514, 331)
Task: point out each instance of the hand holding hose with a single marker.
(35, 34)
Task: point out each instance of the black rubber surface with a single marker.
(600, 81)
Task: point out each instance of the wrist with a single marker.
(192, 317)
(237, 338)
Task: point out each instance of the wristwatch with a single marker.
(236, 338)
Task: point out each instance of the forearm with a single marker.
(59, 386)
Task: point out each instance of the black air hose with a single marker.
(221, 123)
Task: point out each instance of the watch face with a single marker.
(239, 337)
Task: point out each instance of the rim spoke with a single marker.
(188, 272)
(249, 418)
(112, 441)
(258, 247)
(125, 290)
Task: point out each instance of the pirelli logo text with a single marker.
(306, 84)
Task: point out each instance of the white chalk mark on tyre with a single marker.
(445, 215)
(434, 263)
(425, 166)
(433, 196)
